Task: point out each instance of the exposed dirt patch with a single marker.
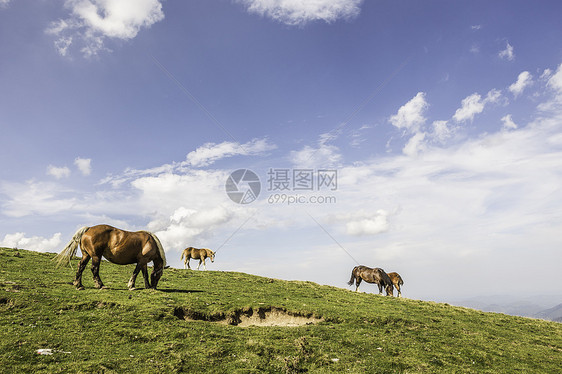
(270, 316)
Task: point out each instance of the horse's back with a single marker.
(192, 252)
(119, 246)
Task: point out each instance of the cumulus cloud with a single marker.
(91, 22)
(212, 152)
(524, 80)
(441, 131)
(410, 115)
(84, 165)
(298, 13)
(415, 144)
(34, 243)
(186, 227)
(508, 123)
(474, 104)
(507, 53)
(58, 172)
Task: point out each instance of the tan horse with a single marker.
(370, 275)
(118, 246)
(197, 253)
(396, 281)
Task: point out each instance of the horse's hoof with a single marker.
(81, 288)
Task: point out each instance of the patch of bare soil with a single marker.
(251, 317)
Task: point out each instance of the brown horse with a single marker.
(197, 253)
(370, 275)
(396, 281)
(118, 246)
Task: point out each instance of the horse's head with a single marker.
(211, 255)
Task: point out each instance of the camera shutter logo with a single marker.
(243, 186)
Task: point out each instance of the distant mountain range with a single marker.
(548, 307)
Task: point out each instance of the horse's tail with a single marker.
(160, 248)
(70, 250)
(182, 255)
(352, 277)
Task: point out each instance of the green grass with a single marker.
(121, 331)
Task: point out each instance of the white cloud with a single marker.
(415, 144)
(4, 3)
(410, 115)
(34, 197)
(524, 80)
(58, 172)
(555, 81)
(296, 12)
(212, 152)
(187, 227)
(84, 165)
(367, 224)
(493, 96)
(508, 123)
(546, 74)
(470, 106)
(62, 44)
(34, 243)
(92, 21)
(441, 131)
(474, 104)
(507, 53)
(324, 155)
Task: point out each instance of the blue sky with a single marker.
(442, 120)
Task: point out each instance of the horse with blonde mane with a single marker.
(119, 247)
(371, 275)
(196, 253)
(396, 281)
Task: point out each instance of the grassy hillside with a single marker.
(192, 324)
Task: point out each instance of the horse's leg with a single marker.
(389, 290)
(145, 276)
(188, 260)
(133, 279)
(156, 272)
(96, 272)
(199, 263)
(204, 264)
(398, 290)
(357, 283)
(78, 279)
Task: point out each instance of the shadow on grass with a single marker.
(172, 290)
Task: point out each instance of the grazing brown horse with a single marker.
(118, 246)
(370, 275)
(396, 281)
(197, 253)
